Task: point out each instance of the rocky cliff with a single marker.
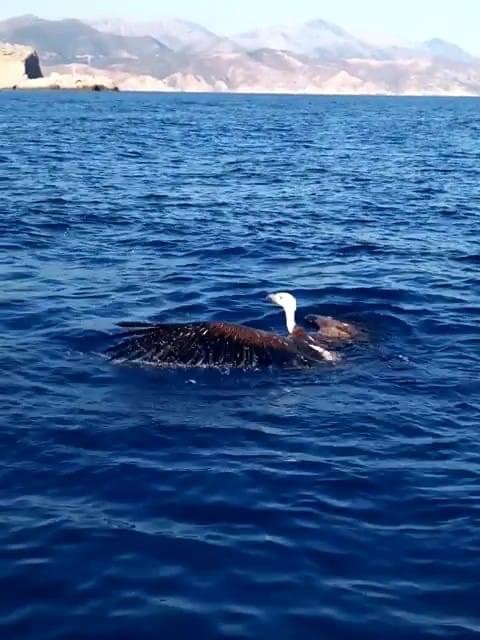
(17, 64)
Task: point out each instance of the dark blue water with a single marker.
(341, 502)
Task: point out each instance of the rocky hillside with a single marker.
(316, 58)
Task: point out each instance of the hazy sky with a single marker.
(456, 20)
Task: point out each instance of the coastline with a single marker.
(98, 87)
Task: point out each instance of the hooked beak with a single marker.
(270, 297)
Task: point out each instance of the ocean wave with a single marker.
(338, 501)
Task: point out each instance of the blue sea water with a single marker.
(339, 502)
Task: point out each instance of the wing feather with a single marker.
(203, 344)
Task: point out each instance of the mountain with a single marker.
(319, 39)
(315, 58)
(439, 48)
(71, 41)
(323, 40)
(316, 38)
(178, 35)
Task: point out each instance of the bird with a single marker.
(223, 344)
(333, 330)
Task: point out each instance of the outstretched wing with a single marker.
(203, 344)
(333, 329)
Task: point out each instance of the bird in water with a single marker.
(222, 344)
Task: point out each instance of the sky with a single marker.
(413, 20)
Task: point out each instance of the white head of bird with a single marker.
(289, 305)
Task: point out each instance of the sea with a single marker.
(330, 503)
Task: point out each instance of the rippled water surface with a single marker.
(341, 502)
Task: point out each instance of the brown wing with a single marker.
(204, 344)
(333, 329)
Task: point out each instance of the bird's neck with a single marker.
(290, 317)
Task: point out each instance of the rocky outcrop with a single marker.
(70, 81)
(17, 64)
(82, 76)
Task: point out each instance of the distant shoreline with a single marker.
(105, 89)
